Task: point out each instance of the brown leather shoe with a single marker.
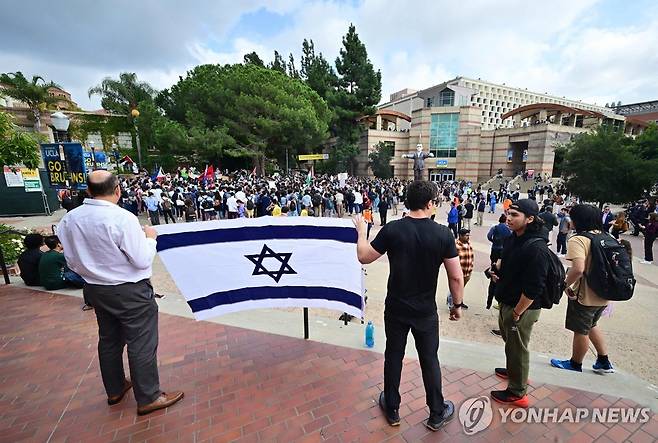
(164, 401)
(117, 398)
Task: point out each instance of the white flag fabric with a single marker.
(224, 266)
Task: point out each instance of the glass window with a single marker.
(429, 102)
(443, 134)
(447, 97)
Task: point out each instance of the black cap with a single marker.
(527, 206)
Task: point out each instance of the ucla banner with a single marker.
(227, 266)
(65, 165)
(95, 160)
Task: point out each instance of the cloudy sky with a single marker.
(592, 50)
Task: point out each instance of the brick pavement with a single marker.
(240, 385)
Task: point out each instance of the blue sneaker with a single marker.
(603, 368)
(564, 364)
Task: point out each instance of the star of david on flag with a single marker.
(257, 259)
(227, 266)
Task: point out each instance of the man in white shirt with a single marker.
(232, 205)
(106, 245)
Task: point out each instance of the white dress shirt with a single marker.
(105, 244)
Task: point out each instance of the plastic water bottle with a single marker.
(370, 334)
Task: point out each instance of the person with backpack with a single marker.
(521, 279)
(586, 304)
(168, 209)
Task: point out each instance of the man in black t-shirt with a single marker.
(416, 248)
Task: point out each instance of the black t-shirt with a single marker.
(469, 210)
(28, 261)
(523, 270)
(416, 248)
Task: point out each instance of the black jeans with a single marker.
(382, 216)
(154, 216)
(648, 247)
(426, 335)
(169, 214)
(127, 314)
(453, 228)
(561, 243)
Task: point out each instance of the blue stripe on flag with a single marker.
(274, 292)
(298, 232)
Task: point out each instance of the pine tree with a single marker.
(278, 64)
(359, 90)
(292, 71)
(253, 59)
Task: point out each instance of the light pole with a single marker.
(61, 125)
(93, 153)
(135, 113)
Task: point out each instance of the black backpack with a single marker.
(611, 269)
(555, 286)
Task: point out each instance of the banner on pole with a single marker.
(65, 165)
(313, 157)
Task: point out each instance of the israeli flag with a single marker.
(227, 266)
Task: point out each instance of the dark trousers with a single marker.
(154, 216)
(426, 335)
(648, 246)
(453, 228)
(561, 243)
(169, 214)
(382, 216)
(127, 315)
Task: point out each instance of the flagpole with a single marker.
(305, 323)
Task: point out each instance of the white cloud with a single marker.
(559, 47)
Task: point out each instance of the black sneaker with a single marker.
(501, 372)
(434, 423)
(496, 332)
(464, 306)
(392, 416)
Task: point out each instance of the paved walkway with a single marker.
(241, 385)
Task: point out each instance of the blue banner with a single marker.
(99, 156)
(65, 165)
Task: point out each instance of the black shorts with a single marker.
(580, 319)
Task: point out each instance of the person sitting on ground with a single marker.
(29, 259)
(54, 273)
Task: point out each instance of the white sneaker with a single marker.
(644, 262)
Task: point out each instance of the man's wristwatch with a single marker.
(458, 305)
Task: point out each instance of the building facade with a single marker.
(644, 111)
(474, 129)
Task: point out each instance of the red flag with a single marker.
(210, 172)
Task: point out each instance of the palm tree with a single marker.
(123, 96)
(34, 94)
